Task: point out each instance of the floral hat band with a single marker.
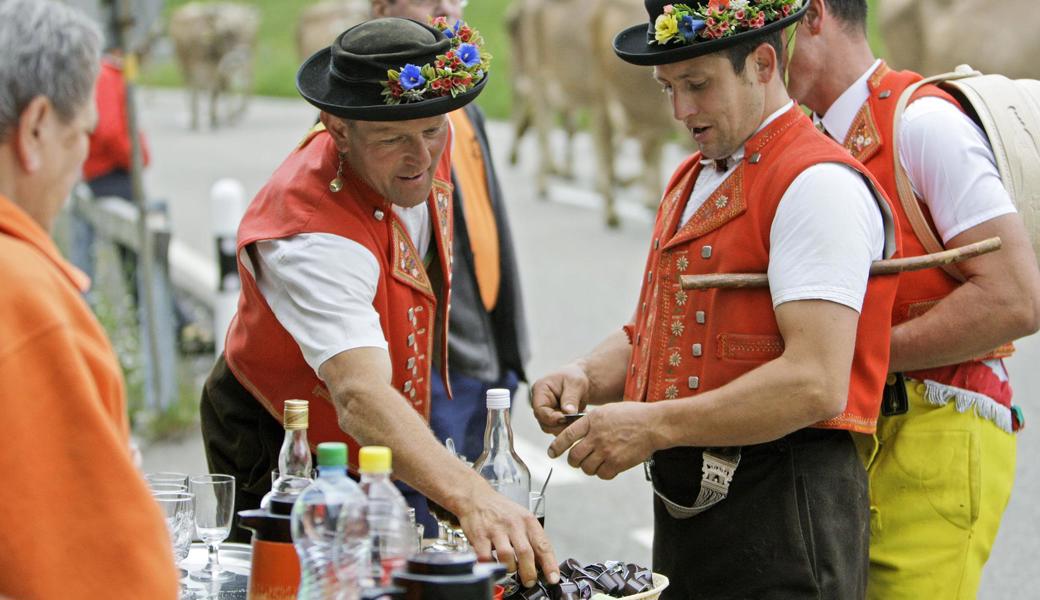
(681, 24)
(677, 31)
(455, 72)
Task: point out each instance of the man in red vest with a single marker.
(345, 259)
(742, 400)
(487, 331)
(943, 464)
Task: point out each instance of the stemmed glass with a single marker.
(166, 478)
(179, 510)
(450, 537)
(214, 507)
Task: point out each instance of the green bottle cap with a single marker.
(332, 454)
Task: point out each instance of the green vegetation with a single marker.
(276, 60)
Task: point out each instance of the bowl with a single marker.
(660, 582)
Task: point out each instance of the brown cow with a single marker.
(564, 61)
(320, 23)
(214, 44)
(934, 36)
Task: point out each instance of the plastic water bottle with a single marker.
(390, 532)
(330, 530)
(499, 463)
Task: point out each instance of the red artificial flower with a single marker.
(439, 63)
(710, 22)
(395, 89)
(760, 20)
(465, 33)
(740, 15)
(440, 22)
(719, 5)
(787, 9)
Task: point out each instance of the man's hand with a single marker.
(610, 439)
(493, 521)
(558, 394)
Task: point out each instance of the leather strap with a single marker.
(911, 205)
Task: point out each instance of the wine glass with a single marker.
(214, 507)
(450, 537)
(179, 511)
(167, 477)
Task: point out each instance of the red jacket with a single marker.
(918, 290)
(685, 343)
(110, 142)
(263, 355)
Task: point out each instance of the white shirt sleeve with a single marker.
(826, 232)
(951, 166)
(321, 287)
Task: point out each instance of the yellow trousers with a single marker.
(939, 483)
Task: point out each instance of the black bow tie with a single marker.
(721, 165)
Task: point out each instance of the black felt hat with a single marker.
(348, 78)
(638, 44)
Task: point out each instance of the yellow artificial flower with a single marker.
(665, 27)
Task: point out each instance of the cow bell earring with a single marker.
(337, 184)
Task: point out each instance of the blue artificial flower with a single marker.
(688, 27)
(452, 31)
(469, 55)
(411, 77)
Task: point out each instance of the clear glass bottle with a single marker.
(294, 458)
(499, 463)
(330, 530)
(391, 533)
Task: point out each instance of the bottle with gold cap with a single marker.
(390, 531)
(295, 464)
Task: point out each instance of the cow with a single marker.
(319, 24)
(934, 36)
(214, 44)
(564, 61)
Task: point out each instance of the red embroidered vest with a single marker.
(688, 342)
(263, 355)
(918, 290)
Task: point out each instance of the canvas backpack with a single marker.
(1008, 111)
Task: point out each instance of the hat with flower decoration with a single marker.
(396, 69)
(681, 31)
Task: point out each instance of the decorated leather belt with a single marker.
(717, 468)
(578, 582)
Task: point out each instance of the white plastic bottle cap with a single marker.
(498, 398)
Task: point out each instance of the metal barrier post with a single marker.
(227, 203)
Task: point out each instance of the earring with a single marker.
(337, 184)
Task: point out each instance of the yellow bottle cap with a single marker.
(375, 459)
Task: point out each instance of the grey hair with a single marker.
(46, 49)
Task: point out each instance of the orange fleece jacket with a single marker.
(76, 518)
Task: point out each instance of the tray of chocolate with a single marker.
(599, 581)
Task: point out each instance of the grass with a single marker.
(276, 62)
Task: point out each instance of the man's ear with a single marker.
(337, 128)
(29, 132)
(765, 62)
(812, 22)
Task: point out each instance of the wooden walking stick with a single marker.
(889, 266)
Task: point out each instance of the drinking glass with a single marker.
(179, 510)
(159, 488)
(450, 537)
(536, 505)
(214, 507)
(167, 477)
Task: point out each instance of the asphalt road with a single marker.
(580, 283)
